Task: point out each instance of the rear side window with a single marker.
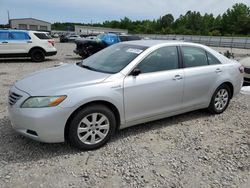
(4, 35)
(212, 60)
(194, 57)
(42, 36)
(19, 36)
(165, 58)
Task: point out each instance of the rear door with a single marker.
(201, 71)
(19, 42)
(158, 89)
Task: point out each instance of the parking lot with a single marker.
(195, 149)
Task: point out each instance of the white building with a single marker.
(30, 24)
(88, 30)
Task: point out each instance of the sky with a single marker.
(97, 11)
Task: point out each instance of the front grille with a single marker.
(247, 70)
(13, 98)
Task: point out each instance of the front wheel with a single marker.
(92, 127)
(220, 100)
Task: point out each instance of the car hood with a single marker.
(57, 79)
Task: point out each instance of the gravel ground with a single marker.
(195, 149)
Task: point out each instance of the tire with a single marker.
(220, 100)
(87, 134)
(37, 55)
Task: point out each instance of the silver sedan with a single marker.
(126, 84)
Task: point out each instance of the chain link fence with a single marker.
(229, 42)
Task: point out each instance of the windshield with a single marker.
(112, 59)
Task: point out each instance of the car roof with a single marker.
(150, 43)
(19, 30)
(12, 30)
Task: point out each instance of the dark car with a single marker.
(87, 47)
(69, 38)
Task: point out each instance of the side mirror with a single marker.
(136, 72)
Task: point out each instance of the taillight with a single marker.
(51, 42)
(241, 69)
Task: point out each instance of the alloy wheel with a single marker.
(93, 128)
(221, 99)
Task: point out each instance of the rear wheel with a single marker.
(220, 100)
(92, 127)
(37, 55)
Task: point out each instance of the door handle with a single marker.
(218, 70)
(177, 77)
(29, 41)
(4, 42)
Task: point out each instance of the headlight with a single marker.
(40, 102)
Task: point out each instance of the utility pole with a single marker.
(8, 18)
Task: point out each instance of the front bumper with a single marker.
(41, 124)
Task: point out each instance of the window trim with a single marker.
(179, 60)
(25, 33)
(214, 57)
(182, 55)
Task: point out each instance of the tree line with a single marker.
(234, 22)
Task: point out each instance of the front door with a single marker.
(4, 42)
(19, 42)
(158, 89)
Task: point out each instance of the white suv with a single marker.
(20, 43)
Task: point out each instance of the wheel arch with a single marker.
(36, 47)
(109, 105)
(229, 84)
(231, 87)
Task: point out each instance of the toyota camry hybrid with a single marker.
(123, 85)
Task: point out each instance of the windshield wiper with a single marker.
(91, 68)
(86, 67)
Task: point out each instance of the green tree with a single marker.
(236, 20)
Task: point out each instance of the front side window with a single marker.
(112, 59)
(212, 60)
(4, 35)
(162, 59)
(194, 57)
(19, 36)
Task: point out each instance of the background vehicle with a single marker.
(87, 47)
(123, 85)
(246, 63)
(69, 38)
(34, 44)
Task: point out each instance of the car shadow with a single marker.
(73, 58)
(16, 148)
(23, 60)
